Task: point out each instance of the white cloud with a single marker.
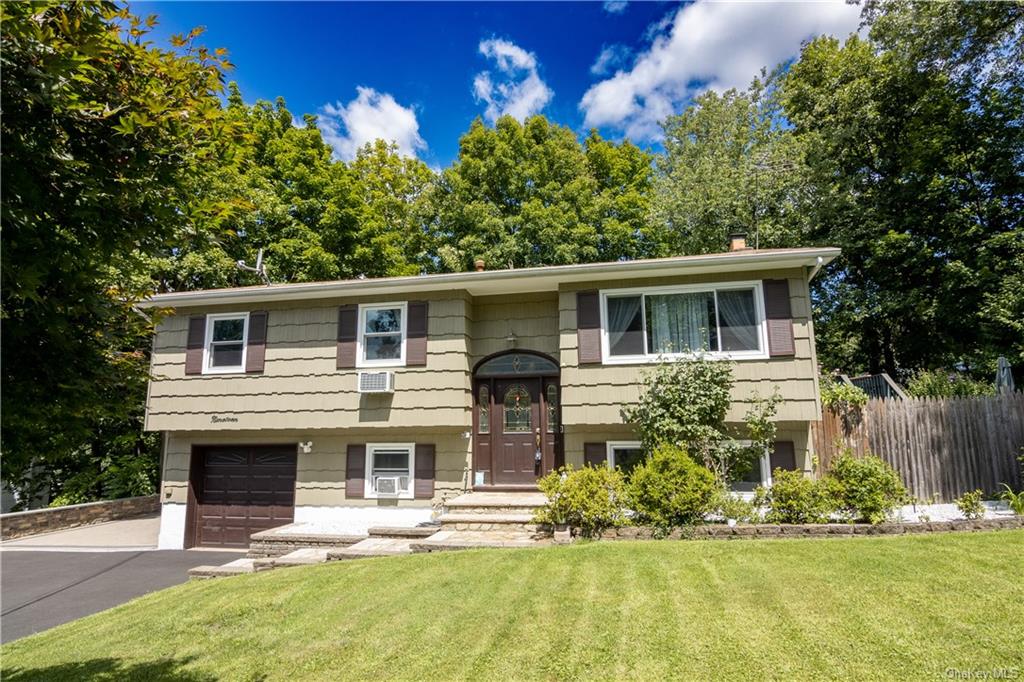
(716, 45)
(516, 89)
(370, 116)
(610, 58)
(615, 6)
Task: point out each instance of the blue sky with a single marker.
(419, 73)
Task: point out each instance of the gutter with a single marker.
(441, 282)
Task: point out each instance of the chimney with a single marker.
(479, 264)
(738, 241)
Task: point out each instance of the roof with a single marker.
(523, 280)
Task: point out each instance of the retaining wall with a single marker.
(20, 524)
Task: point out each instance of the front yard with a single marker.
(888, 607)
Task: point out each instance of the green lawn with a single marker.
(886, 607)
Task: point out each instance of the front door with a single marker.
(518, 432)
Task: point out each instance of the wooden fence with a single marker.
(941, 447)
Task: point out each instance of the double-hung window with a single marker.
(390, 468)
(225, 343)
(382, 334)
(640, 325)
(760, 473)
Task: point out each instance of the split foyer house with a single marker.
(369, 402)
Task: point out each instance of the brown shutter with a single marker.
(588, 326)
(595, 454)
(256, 347)
(783, 457)
(355, 471)
(348, 321)
(780, 317)
(424, 486)
(194, 347)
(416, 337)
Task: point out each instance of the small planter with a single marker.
(563, 534)
(731, 522)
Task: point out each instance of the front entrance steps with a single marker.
(470, 521)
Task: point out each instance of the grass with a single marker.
(886, 607)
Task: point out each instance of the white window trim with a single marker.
(361, 360)
(368, 491)
(608, 359)
(207, 356)
(612, 445)
(765, 463)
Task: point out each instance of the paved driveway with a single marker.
(42, 589)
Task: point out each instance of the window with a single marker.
(760, 474)
(624, 455)
(484, 402)
(389, 468)
(225, 343)
(382, 334)
(723, 321)
(552, 405)
(518, 410)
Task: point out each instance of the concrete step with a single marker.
(488, 522)
(372, 547)
(449, 540)
(416, 532)
(236, 567)
(495, 503)
(283, 540)
(306, 556)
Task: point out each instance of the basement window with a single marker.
(389, 468)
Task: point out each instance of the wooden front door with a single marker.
(517, 436)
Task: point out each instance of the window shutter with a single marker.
(780, 317)
(416, 334)
(783, 457)
(588, 327)
(355, 471)
(256, 347)
(595, 454)
(348, 321)
(194, 347)
(424, 485)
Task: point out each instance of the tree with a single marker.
(102, 135)
(913, 139)
(730, 164)
(528, 194)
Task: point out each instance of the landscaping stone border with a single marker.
(35, 521)
(811, 530)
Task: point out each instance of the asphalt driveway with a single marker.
(39, 590)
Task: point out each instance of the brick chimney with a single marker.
(738, 241)
(479, 264)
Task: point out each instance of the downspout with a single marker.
(817, 266)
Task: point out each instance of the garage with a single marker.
(240, 490)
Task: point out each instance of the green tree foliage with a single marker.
(527, 194)
(938, 383)
(730, 165)
(102, 134)
(685, 404)
(913, 142)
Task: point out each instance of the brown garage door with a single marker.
(243, 490)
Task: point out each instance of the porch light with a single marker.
(512, 339)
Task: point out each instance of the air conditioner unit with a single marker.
(386, 485)
(376, 382)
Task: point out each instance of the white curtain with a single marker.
(622, 311)
(678, 323)
(737, 319)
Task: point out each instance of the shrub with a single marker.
(794, 498)
(670, 489)
(589, 498)
(685, 403)
(939, 383)
(728, 505)
(866, 489)
(843, 399)
(970, 505)
(1015, 500)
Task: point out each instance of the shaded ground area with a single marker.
(39, 590)
(898, 607)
